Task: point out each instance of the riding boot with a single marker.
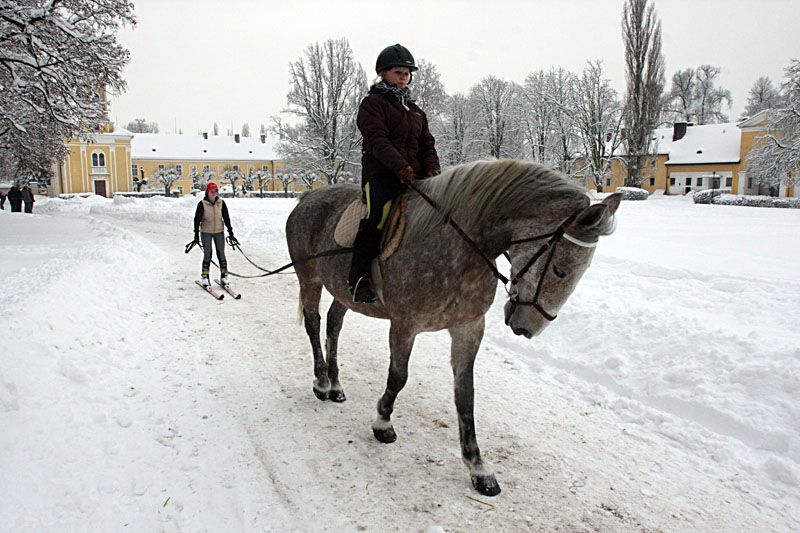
(366, 247)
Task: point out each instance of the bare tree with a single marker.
(494, 101)
(286, 179)
(428, 90)
(263, 177)
(679, 104)
(57, 59)
(231, 176)
(597, 117)
(695, 97)
(308, 179)
(644, 75)
(140, 125)
(216, 129)
(763, 95)
(167, 178)
(560, 92)
(456, 130)
(776, 159)
(326, 87)
(709, 97)
(536, 116)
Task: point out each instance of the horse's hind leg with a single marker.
(466, 339)
(310, 294)
(334, 326)
(401, 341)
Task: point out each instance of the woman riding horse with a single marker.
(398, 146)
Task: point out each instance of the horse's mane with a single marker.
(487, 191)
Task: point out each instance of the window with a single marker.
(179, 169)
(160, 167)
(608, 182)
(206, 168)
(180, 190)
(265, 168)
(98, 159)
(749, 183)
(652, 182)
(672, 181)
(729, 182)
(688, 181)
(235, 167)
(699, 182)
(135, 171)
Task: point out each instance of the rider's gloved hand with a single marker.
(406, 175)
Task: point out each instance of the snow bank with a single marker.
(633, 193)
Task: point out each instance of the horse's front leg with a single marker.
(401, 341)
(466, 339)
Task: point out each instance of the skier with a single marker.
(397, 148)
(210, 216)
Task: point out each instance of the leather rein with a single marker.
(553, 238)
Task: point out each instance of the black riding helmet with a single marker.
(396, 55)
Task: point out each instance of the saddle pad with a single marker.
(347, 227)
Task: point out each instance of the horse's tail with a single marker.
(299, 310)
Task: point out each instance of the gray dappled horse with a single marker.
(436, 280)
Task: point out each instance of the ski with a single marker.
(210, 291)
(236, 295)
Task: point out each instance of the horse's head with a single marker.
(545, 271)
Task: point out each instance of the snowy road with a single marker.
(664, 397)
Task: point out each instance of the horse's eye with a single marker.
(558, 272)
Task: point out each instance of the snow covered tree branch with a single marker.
(776, 159)
(57, 59)
(326, 87)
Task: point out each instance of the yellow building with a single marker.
(687, 158)
(100, 164)
(204, 153)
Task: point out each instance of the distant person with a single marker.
(2, 200)
(15, 198)
(28, 199)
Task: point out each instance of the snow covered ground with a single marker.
(664, 397)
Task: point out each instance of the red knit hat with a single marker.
(211, 186)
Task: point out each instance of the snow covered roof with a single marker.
(755, 121)
(710, 143)
(198, 148)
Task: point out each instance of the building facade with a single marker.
(99, 163)
(687, 158)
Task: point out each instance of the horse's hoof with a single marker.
(321, 395)
(486, 485)
(336, 396)
(385, 435)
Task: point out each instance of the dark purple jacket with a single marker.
(394, 138)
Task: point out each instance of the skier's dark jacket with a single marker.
(211, 216)
(15, 198)
(394, 138)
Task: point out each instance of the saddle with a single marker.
(347, 227)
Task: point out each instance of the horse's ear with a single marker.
(591, 217)
(612, 202)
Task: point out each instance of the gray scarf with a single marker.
(403, 94)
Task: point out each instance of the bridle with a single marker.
(553, 238)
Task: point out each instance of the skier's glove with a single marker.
(195, 242)
(232, 241)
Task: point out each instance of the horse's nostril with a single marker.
(522, 332)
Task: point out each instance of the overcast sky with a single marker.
(194, 62)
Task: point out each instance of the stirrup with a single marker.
(362, 291)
